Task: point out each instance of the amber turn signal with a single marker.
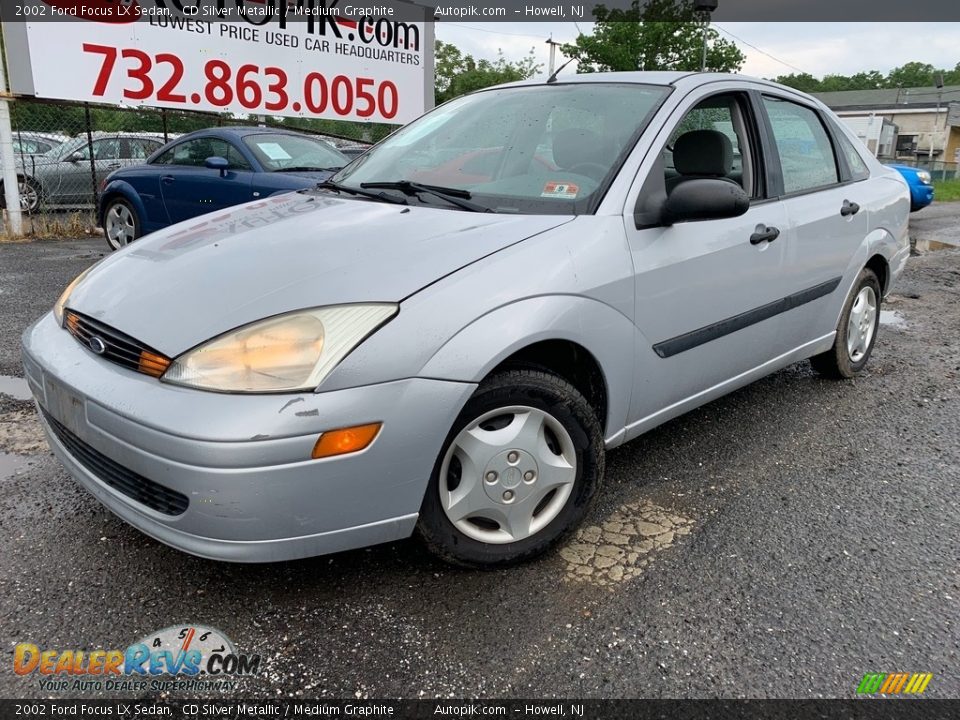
(345, 440)
(152, 364)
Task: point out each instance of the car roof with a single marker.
(238, 131)
(688, 80)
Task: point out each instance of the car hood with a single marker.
(183, 285)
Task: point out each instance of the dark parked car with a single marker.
(210, 170)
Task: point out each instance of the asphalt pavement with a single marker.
(779, 542)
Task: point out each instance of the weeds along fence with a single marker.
(64, 151)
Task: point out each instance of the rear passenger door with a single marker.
(822, 197)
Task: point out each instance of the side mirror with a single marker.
(75, 157)
(217, 163)
(704, 199)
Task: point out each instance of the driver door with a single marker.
(189, 188)
(705, 290)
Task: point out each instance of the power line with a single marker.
(759, 50)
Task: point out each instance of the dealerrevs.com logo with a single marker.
(180, 657)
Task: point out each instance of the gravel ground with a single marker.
(779, 542)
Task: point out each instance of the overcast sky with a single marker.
(816, 48)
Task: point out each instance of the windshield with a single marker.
(278, 152)
(533, 149)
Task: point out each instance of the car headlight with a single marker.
(286, 353)
(65, 296)
(924, 177)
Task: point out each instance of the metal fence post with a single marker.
(163, 117)
(93, 161)
(8, 164)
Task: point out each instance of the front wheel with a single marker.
(121, 226)
(518, 471)
(856, 332)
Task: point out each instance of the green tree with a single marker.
(913, 74)
(665, 35)
(804, 82)
(458, 73)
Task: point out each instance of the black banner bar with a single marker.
(866, 709)
(267, 12)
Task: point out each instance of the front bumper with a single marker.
(920, 196)
(242, 461)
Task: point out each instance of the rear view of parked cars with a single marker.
(210, 170)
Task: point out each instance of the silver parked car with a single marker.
(63, 176)
(446, 336)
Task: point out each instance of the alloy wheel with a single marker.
(861, 324)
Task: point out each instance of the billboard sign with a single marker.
(287, 60)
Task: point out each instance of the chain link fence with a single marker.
(64, 151)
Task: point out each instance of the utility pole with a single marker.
(936, 117)
(705, 8)
(8, 163)
(553, 55)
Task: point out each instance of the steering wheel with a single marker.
(592, 170)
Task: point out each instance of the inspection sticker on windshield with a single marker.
(273, 151)
(565, 191)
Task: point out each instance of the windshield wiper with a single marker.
(454, 196)
(383, 197)
(308, 168)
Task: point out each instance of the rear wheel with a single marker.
(518, 471)
(856, 332)
(30, 195)
(121, 226)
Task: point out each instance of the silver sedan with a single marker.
(445, 337)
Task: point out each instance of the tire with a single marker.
(848, 357)
(30, 194)
(532, 490)
(121, 225)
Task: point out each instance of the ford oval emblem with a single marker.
(98, 345)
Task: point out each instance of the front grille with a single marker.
(116, 346)
(136, 487)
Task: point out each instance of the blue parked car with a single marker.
(921, 189)
(209, 170)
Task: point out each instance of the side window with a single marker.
(858, 168)
(806, 154)
(106, 149)
(140, 148)
(711, 141)
(233, 156)
(194, 153)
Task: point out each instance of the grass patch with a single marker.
(946, 190)
(55, 226)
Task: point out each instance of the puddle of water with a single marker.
(15, 387)
(892, 318)
(10, 464)
(621, 547)
(934, 245)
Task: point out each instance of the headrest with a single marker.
(703, 152)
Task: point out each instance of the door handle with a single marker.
(764, 233)
(849, 208)
(167, 179)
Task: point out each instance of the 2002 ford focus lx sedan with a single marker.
(446, 336)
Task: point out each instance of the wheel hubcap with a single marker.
(120, 228)
(29, 199)
(507, 474)
(862, 324)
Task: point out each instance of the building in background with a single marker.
(919, 124)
